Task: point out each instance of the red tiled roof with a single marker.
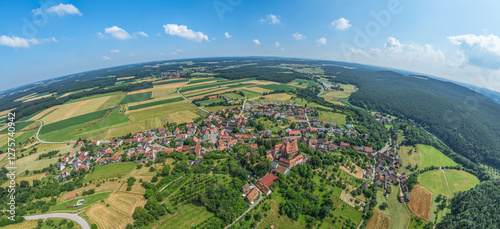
(269, 179)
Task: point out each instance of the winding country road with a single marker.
(75, 217)
(178, 92)
(40, 128)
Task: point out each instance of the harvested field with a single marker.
(163, 92)
(258, 89)
(180, 117)
(420, 202)
(379, 220)
(70, 110)
(274, 97)
(74, 109)
(29, 178)
(37, 98)
(125, 78)
(118, 214)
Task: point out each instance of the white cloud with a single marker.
(483, 51)
(298, 36)
(226, 34)
(271, 19)
(141, 33)
(341, 24)
(426, 59)
(282, 49)
(114, 51)
(61, 10)
(100, 35)
(106, 58)
(183, 32)
(276, 44)
(21, 42)
(321, 41)
(118, 33)
(15, 42)
(256, 42)
(393, 45)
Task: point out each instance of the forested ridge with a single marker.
(466, 121)
(476, 208)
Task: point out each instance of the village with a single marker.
(225, 128)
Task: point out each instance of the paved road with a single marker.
(178, 92)
(243, 107)
(307, 118)
(74, 217)
(322, 88)
(42, 141)
(248, 210)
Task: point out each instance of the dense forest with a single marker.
(275, 74)
(466, 121)
(476, 208)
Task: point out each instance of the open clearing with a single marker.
(409, 156)
(430, 156)
(332, 117)
(420, 202)
(460, 181)
(433, 180)
(379, 220)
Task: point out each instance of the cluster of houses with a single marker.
(384, 172)
(224, 131)
(251, 192)
(379, 117)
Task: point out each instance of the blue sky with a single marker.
(456, 40)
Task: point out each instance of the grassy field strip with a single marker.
(136, 97)
(166, 101)
(68, 123)
(430, 156)
(216, 84)
(169, 81)
(446, 181)
(89, 200)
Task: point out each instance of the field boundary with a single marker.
(179, 92)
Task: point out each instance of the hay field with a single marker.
(430, 156)
(379, 220)
(433, 180)
(69, 110)
(420, 202)
(164, 113)
(274, 97)
(459, 180)
(118, 214)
